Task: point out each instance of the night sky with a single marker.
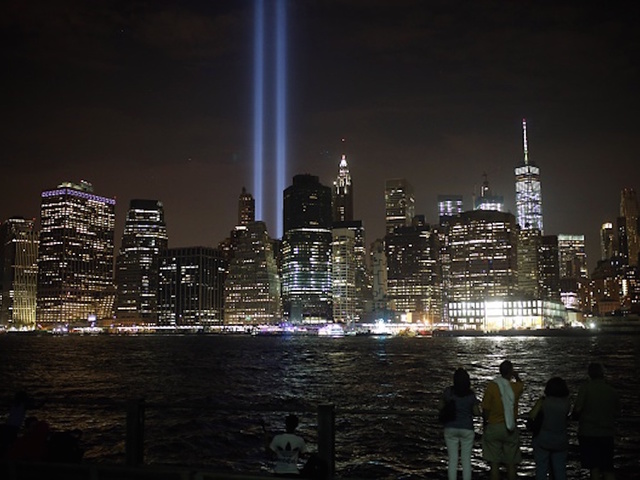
(153, 99)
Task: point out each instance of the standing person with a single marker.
(501, 440)
(287, 448)
(551, 442)
(596, 409)
(458, 432)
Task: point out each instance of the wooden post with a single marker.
(134, 443)
(327, 437)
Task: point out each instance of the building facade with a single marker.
(18, 274)
(143, 239)
(574, 274)
(630, 212)
(75, 258)
(191, 287)
(252, 286)
(414, 276)
(306, 251)
(400, 203)
(483, 258)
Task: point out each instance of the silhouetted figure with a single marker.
(15, 420)
(32, 445)
(287, 448)
(458, 431)
(596, 409)
(501, 439)
(550, 442)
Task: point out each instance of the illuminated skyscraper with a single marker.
(449, 206)
(549, 268)
(343, 275)
(483, 249)
(379, 277)
(414, 276)
(306, 251)
(18, 274)
(607, 241)
(252, 286)
(143, 239)
(342, 197)
(574, 274)
(528, 192)
(487, 200)
(75, 260)
(246, 208)
(191, 287)
(400, 203)
(630, 212)
(529, 244)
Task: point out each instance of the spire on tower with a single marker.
(524, 137)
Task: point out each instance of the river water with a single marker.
(208, 394)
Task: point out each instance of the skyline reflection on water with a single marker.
(208, 393)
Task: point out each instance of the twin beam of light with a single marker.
(258, 109)
(259, 81)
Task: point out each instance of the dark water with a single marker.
(208, 394)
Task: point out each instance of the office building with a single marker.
(75, 258)
(246, 208)
(483, 261)
(413, 273)
(487, 200)
(530, 243)
(143, 239)
(342, 194)
(191, 287)
(252, 286)
(379, 281)
(306, 251)
(449, 206)
(607, 241)
(400, 203)
(549, 268)
(574, 274)
(630, 212)
(528, 191)
(18, 274)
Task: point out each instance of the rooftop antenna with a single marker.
(524, 136)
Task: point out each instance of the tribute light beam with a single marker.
(258, 109)
(281, 114)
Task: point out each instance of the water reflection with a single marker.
(251, 378)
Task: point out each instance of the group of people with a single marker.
(596, 407)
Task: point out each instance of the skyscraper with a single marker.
(246, 208)
(449, 206)
(342, 195)
(191, 287)
(414, 276)
(143, 239)
(630, 212)
(529, 244)
(528, 191)
(379, 277)
(343, 275)
(400, 203)
(483, 249)
(574, 274)
(306, 251)
(607, 241)
(487, 200)
(18, 274)
(252, 286)
(75, 259)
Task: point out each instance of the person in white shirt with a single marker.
(287, 448)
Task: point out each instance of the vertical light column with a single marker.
(258, 109)
(281, 114)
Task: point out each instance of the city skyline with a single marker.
(154, 101)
